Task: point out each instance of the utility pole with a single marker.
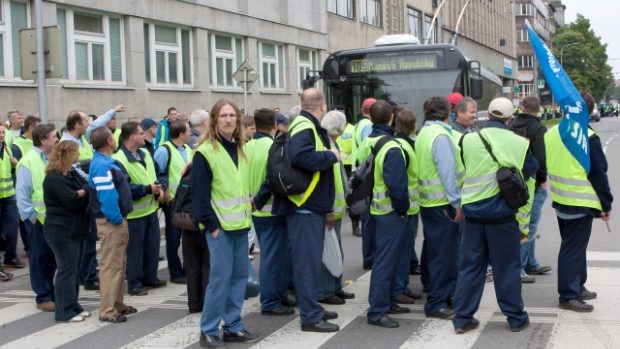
(38, 23)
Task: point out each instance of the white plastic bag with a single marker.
(332, 256)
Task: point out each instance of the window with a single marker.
(341, 7)
(370, 12)
(525, 9)
(395, 16)
(91, 46)
(523, 35)
(427, 25)
(526, 61)
(226, 54)
(414, 19)
(14, 16)
(271, 60)
(306, 60)
(167, 55)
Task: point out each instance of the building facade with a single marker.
(153, 54)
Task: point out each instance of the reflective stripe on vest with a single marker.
(299, 124)
(230, 198)
(524, 213)
(569, 181)
(141, 175)
(35, 164)
(257, 153)
(381, 202)
(412, 177)
(345, 144)
(6, 179)
(340, 205)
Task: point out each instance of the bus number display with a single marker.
(391, 64)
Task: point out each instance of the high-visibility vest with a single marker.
(358, 142)
(86, 152)
(345, 144)
(432, 190)
(381, 203)
(143, 176)
(177, 164)
(480, 169)
(230, 197)
(569, 181)
(24, 144)
(340, 205)
(524, 214)
(257, 152)
(301, 123)
(8, 137)
(33, 162)
(412, 177)
(117, 136)
(6, 179)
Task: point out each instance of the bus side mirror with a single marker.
(476, 88)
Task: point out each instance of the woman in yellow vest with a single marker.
(222, 207)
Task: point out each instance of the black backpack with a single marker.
(363, 180)
(284, 178)
(182, 206)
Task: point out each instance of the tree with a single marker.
(586, 63)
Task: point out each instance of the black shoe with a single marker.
(384, 322)
(283, 310)
(577, 305)
(289, 302)
(207, 341)
(522, 327)
(443, 313)
(472, 325)
(329, 315)
(402, 299)
(14, 263)
(179, 281)
(120, 318)
(367, 266)
(587, 294)
(409, 293)
(161, 258)
(240, 337)
(195, 311)
(321, 326)
(539, 270)
(91, 286)
(157, 284)
(141, 291)
(357, 231)
(397, 309)
(333, 300)
(415, 270)
(345, 295)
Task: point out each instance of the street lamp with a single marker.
(562, 51)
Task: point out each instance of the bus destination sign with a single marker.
(389, 64)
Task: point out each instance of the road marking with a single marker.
(609, 141)
(17, 312)
(603, 256)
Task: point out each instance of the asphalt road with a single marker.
(163, 321)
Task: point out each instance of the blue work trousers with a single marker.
(88, 268)
(368, 239)
(9, 221)
(68, 253)
(42, 264)
(401, 277)
(572, 266)
(173, 242)
(306, 232)
(329, 284)
(273, 239)
(227, 282)
(441, 235)
(143, 251)
(499, 244)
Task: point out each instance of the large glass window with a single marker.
(306, 61)
(525, 9)
(226, 54)
(395, 16)
(92, 46)
(341, 7)
(271, 60)
(370, 12)
(526, 61)
(167, 55)
(414, 21)
(523, 35)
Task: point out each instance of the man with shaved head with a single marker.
(308, 215)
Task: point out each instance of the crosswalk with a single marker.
(163, 322)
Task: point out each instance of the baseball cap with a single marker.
(501, 108)
(147, 123)
(454, 98)
(281, 119)
(368, 102)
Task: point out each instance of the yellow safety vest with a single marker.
(177, 164)
(24, 144)
(299, 124)
(569, 181)
(86, 152)
(6, 179)
(141, 175)
(358, 142)
(345, 144)
(412, 177)
(381, 203)
(33, 162)
(257, 152)
(340, 205)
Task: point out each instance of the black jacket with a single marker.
(529, 126)
(65, 212)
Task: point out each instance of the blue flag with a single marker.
(574, 126)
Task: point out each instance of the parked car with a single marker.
(596, 115)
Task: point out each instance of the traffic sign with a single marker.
(517, 89)
(251, 79)
(245, 75)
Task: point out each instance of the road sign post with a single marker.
(245, 75)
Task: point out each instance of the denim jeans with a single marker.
(528, 256)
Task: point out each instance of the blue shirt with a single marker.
(24, 189)
(443, 156)
(99, 122)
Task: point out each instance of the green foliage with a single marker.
(586, 63)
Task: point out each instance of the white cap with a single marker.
(501, 108)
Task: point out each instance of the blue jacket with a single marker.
(394, 172)
(164, 127)
(497, 207)
(109, 194)
(303, 155)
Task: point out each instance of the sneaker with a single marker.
(587, 294)
(140, 291)
(540, 270)
(48, 306)
(208, 341)
(321, 326)
(577, 305)
(527, 279)
(240, 337)
(77, 318)
(84, 314)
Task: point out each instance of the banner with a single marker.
(574, 126)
